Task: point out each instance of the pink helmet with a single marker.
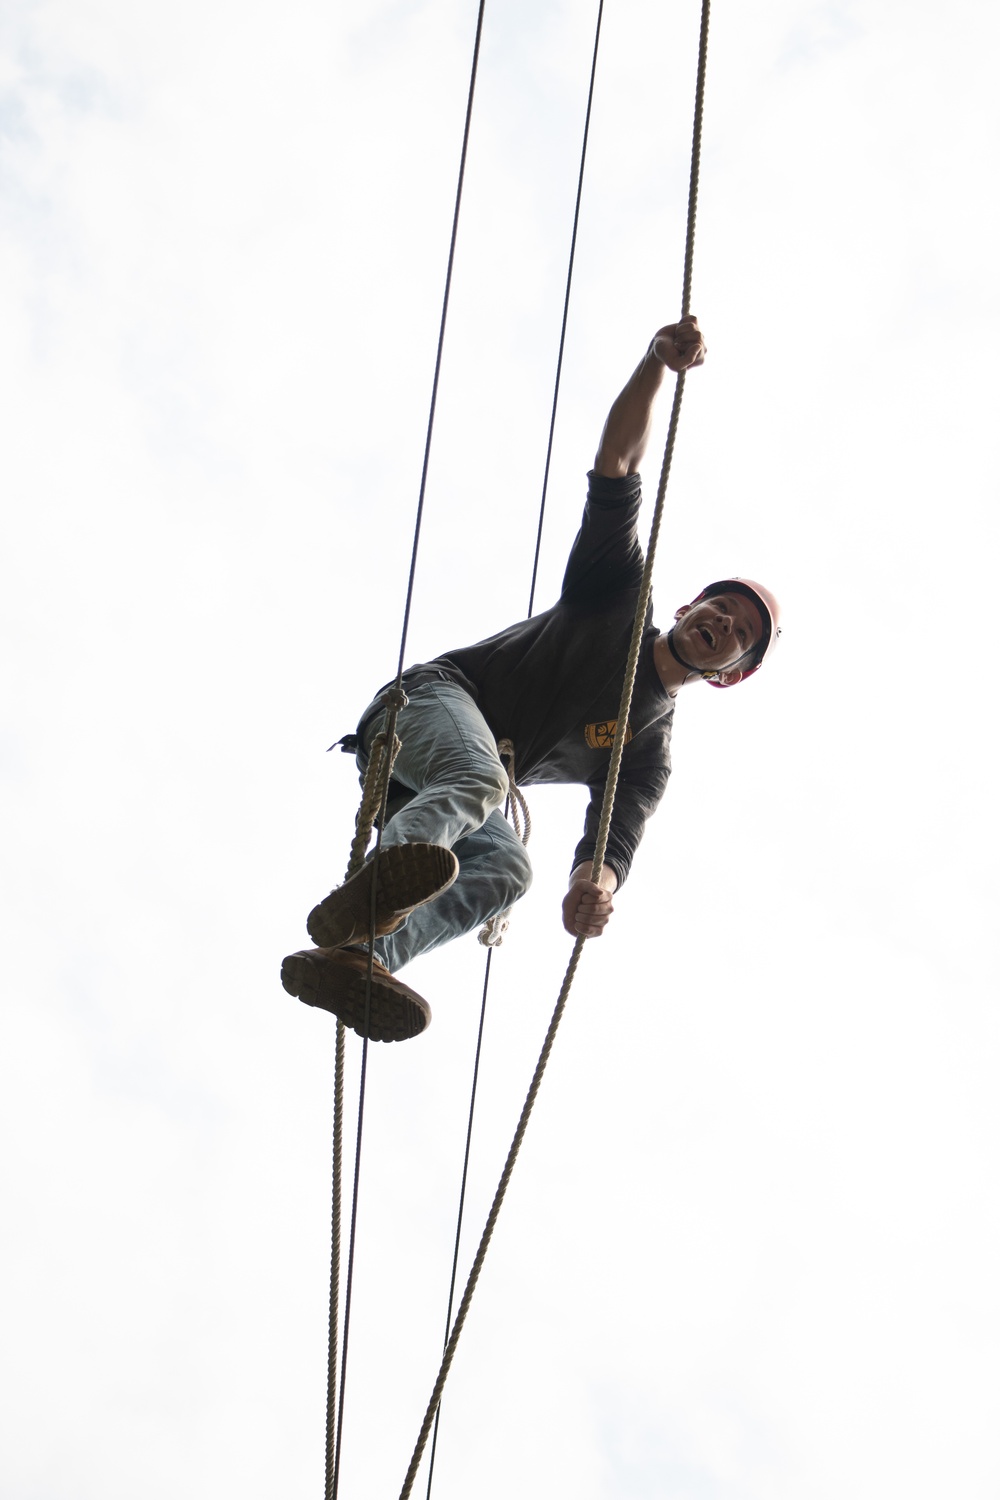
(770, 614)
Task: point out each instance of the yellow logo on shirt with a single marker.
(601, 736)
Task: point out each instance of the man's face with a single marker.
(716, 632)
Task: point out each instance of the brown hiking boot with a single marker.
(408, 875)
(336, 979)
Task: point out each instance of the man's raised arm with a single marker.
(678, 346)
(587, 906)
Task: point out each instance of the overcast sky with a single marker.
(750, 1249)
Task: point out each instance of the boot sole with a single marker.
(396, 1013)
(408, 875)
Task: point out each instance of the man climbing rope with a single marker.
(550, 686)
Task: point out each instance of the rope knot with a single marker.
(394, 697)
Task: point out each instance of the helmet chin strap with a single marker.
(691, 670)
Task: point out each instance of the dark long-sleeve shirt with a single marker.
(553, 684)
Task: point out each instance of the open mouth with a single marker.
(707, 637)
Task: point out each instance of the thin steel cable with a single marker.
(531, 606)
(461, 1200)
(565, 316)
(494, 1213)
(440, 346)
(335, 1480)
(334, 1443)
(611, 785)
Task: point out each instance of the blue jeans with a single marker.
(449, 762)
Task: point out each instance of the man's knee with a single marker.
(484, 785)
(517, 870)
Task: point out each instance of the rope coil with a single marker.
(380, 764)
(494, 929)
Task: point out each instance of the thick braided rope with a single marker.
(635, 645)
(375, 789)
(337, 1190)
(518, 801)
(494, 929)
(385, 747)
(379, 770)
(646, 586)
(645, 590)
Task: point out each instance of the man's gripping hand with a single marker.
(679, 346)
(587, 908)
